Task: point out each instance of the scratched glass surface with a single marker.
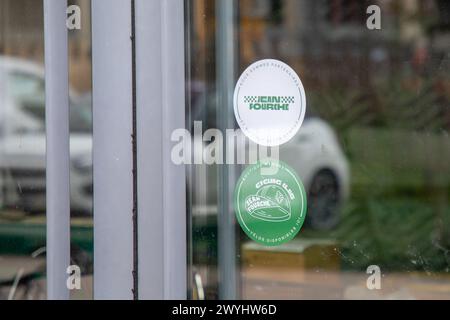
(373, 152)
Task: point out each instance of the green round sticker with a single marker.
(270, 202)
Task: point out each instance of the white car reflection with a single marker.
(314, 153)
(317, 157)
(22, 141)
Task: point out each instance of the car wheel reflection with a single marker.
(323, 201)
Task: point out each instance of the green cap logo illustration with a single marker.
(269, 204)
(271, 209)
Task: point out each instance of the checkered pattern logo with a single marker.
(254, 99)
(287, 99)
(250, 99)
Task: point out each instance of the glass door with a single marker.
(372, 152)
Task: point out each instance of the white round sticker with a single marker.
(269, 102)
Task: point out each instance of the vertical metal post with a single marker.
(174, 101)
(113, 149)
(58, 154)
(150, 145)
(160, 93)
(226, 68)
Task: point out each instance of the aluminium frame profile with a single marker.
(160, 80)
(112, 149)
(57, 145)
(142, 64)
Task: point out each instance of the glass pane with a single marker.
(80, 122)
(22, 150)
(373, 150)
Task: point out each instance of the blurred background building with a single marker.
(22, 35)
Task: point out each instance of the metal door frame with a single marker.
(139, 194)
(160, 74)
(138, 59)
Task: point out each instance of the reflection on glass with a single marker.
(22, 151)
(373, 153)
